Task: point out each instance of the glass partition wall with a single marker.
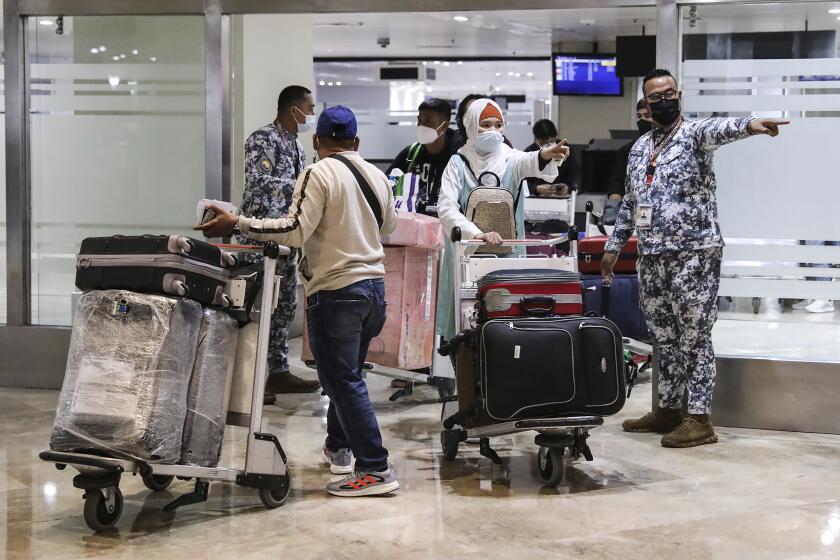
(116, 138)
(781, 270)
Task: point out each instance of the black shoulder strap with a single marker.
(467, 164)
(518, 194)
(367, 191)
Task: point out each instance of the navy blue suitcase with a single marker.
(624, 306)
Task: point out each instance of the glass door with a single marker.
(117, 138)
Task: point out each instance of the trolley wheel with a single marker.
(275, 495)
(158, 482)
(445, 387)
(551, 465)
(449, 444)
(97, 515)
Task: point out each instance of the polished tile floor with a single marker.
(755, 495)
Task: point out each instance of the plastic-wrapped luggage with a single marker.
(416, 230)
(407, 339)
(128, 372)
(207, 399)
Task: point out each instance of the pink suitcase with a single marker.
(407, 339)
(416, 230)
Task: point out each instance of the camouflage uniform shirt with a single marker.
(273, 160)
(682, 202)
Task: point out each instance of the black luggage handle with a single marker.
(537, 306)
(605, 299)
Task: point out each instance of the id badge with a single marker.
(644, 216)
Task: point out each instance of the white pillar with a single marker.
(269, 53)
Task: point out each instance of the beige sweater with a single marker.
(334, 224)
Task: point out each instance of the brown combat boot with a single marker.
(695, 430)
(284, 382)
(660, 421)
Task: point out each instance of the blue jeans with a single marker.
(341, 324)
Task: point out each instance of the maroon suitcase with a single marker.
(591, 251)
(547, 250)
(529, 293)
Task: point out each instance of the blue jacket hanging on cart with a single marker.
(484, 155)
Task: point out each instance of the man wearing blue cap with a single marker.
(341, 205)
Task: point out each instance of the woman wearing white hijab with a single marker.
(484, 152)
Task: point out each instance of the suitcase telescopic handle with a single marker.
(537, 306)
(605, 299)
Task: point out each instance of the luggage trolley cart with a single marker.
(266, 466)
(554, 435)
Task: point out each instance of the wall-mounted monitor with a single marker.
(585, 74)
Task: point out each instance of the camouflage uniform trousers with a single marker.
(679, 298)
(278, 345)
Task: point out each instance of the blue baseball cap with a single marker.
(337, 122)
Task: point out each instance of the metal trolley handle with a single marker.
(572, 237)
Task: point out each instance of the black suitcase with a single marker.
(157, 264)
(543, 368)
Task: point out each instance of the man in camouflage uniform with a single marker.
(274, 158)
(670, 202)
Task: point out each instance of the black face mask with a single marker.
(644, 126)
(666, 111)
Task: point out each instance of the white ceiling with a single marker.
(532, 32)
(500, 33)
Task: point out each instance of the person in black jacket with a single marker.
(615, 189)
(427, 158)
(545, 135)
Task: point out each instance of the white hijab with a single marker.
(495, 161)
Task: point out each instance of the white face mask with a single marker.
(308, 125)
(488, 142)
(426, 135)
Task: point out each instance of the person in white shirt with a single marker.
(484, 156)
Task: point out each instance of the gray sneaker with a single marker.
(340, 460)
(362, 483)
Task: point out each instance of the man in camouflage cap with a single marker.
(274, 158)
(670, 202)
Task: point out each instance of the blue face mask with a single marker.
(488, 142)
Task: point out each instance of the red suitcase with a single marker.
(529, 293)
(591, 251)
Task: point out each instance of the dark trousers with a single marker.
(341, 324)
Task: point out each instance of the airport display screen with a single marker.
(585, 74)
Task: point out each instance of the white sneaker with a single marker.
(365, 483)
(802, 304)
(340, 461)
(821, 306)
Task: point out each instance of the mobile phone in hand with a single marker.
(208, 215)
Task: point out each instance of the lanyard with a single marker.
(656, 150)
